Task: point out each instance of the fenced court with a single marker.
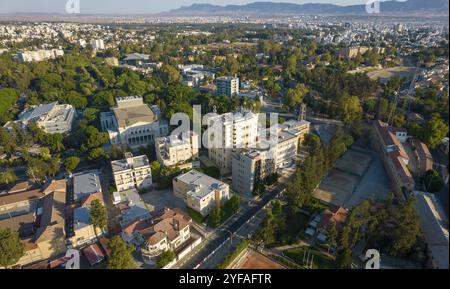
(354, 162)
(339, 186)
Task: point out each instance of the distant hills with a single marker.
(270, 8)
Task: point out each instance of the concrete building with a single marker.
(228, 85)
(52, 117)
(423, 156)
(200, 192)
(136, 59)
(168, 230)
(227, 132)
(40, 55)
(133, 123)
(98, 44)
(251, 167)
(193, 74)
(179, 150)
(131, 207)
(434, 225)
(132, 172)
(290, 135)
(38, 214)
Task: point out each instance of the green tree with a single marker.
(294, 97)
(7, 177)
(215, 217)
(165, 258)
(11, 248)
(121, 254)
(350, 109)
(71, 163)
(170, 74)
(434, 131)
(432, 181)
(344, 259)
(312, 142)
(98, 216)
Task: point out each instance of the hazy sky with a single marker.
(131, 6)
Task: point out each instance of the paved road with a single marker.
(232, 227)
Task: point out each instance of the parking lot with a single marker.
(158, 200)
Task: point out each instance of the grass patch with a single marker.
(233, 255)
(321, 261)
(296, 224)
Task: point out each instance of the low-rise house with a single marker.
(334, 216)
(132, 172)
(85, 184)
(423, 156)
(131, 207)
(179, 150)
(52, 117)
(168, 230)
(83, 231)
(201, 193)
(38, 214)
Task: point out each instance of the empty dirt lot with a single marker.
(251, 259)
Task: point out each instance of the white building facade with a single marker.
(132, 172)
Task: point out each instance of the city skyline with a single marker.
(134, 6)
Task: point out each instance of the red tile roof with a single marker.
(93, 254)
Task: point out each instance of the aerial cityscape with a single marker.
(224, 135)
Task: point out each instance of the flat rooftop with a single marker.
(130, 163)
(201, 185)
(131, 115)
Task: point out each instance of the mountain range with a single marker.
(432, 7)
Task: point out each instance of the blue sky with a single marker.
(131, 6)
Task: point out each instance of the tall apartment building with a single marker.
(290, 135)
(133, 123)
(132, 172)
(230, 131)
(251, 167)
(228, 85)
(51, 117)
(202, 193)
(179, 150)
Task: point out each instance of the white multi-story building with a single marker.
(40, 55)
(52, 117)
(290, 135)
(133, 123)
(230, 131)
(132, 172)
(181, 150)
(252, 166)
(228, 85)
(202, 193)
(98, 44)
